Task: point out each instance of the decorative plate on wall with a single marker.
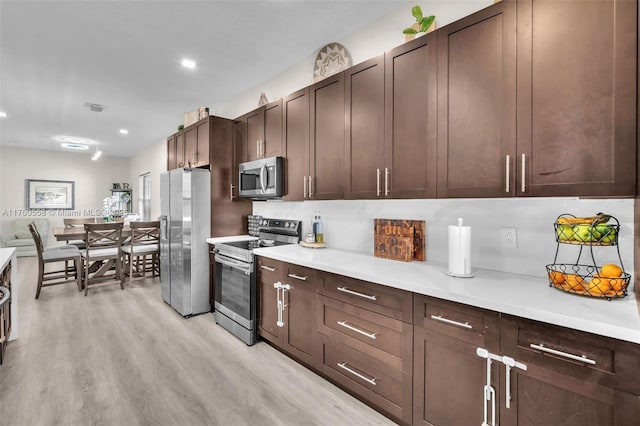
(331, 59)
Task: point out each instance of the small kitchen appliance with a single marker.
(261, 179)
(235, 276)
(460, 250)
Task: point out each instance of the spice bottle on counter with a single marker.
(318, 228)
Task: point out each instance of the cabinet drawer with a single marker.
(385, 300)
(302, 277)
(365, 375)
(468, 323)
(380, 336)
(269, 269)
(585, 356)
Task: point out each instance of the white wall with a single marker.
(152, 159)
(93, 180)
(348, 225)
(364, 43)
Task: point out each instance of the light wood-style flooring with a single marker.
(124, 357)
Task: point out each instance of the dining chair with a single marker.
(47, 256)
(103, 249)
(77, 222)
(142, 252)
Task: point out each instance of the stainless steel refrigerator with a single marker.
(185, 211)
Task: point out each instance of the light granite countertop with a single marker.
(519, 295)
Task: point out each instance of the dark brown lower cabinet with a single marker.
(5, 312)
(269, 273)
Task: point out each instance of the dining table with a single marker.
(78, 233)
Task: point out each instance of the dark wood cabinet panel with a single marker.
(327, 138)
(255, 133)
(272, 141)
(577, 100)
(203, 146)
(411, 118)
(5, 312)
(171, 153)
(269, 272)
(364, 129)
(179, 140)
(476, 104)
(190, 145)
(296, 140)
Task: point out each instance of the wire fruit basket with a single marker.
(608, 281)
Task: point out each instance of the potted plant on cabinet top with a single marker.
(423, 24)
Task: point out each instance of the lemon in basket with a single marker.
(610, 270)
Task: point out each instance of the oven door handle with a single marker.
(244, 267)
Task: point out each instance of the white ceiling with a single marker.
(57, 55)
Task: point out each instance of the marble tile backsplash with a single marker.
(348, 225)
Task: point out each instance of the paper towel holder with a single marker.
(459, 274)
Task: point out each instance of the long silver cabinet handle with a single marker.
(263, 146)
(268, 268)
(355, 293)
(305, 187)
(507, 165)
(231, 191)
(343, 365)
(279, 303)
(378, 182)
(386, 181)
(357, 330)
(542, 348)
(524, 163)
(297, 277)
(310, 186)
(452, 322)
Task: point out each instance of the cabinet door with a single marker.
(201, 157)
(411, 118)
(269, 272)
(364, 129)
(255, 133)
(179, 137)
(296, 138)
(577, 97)
(327, 138)
(272, 142)
(302, 340)
(171, 153)
(190, 143)
(476, 104)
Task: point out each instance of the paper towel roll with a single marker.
(460, 250)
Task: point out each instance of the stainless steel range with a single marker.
(236, 290)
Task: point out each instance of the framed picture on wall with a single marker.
(50, 194)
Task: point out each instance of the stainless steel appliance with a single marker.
(261, 178)
(185, 210)
(236, 289)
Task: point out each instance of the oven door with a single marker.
(235, 294)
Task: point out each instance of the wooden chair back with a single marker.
(103, 235)
(145, 232)
(36, 239)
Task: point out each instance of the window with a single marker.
(144, 201)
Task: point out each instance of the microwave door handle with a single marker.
(263, 172)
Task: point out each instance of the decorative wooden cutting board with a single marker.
(399, 239)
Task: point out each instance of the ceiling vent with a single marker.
(94, 107)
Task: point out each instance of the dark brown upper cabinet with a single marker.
(179, 140)
(577, 98)
(190, 145)
(263, 133)
(171, 152)
(476, 104)
(411, 119)
(364, 175)
(327, 139)
(295, 111)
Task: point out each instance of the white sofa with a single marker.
(17, 235)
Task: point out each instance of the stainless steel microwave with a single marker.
(261, 178)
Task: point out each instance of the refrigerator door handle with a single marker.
(263, 172)
(163, 228)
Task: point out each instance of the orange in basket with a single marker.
(573, 282)
(556, 278)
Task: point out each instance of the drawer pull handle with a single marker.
(268, 268)
(452, 322)
(297, 277)
(355, 293)
(357, 330)
(582, 358)
(343, 365)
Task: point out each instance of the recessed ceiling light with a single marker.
(188, 63)
(73, 139)
(96, 155)
(124, 131)
(3, 114)
(78, 146)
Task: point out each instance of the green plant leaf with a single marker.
(416, 11)
(426, 23)
(409, 31)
